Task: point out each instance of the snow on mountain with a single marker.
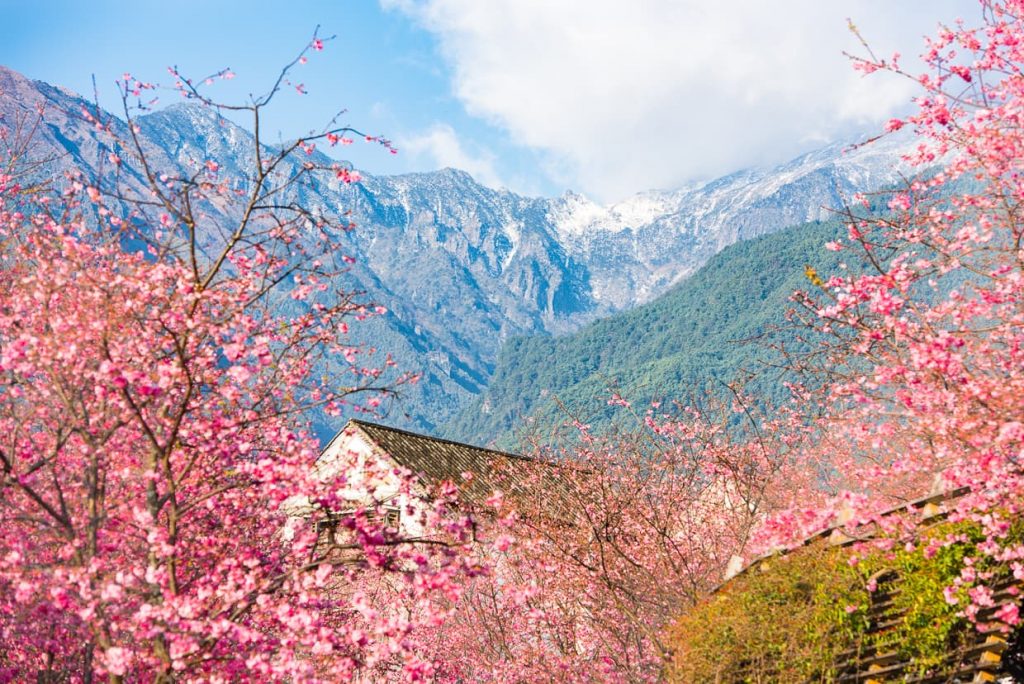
(639, 247)
(463, 267)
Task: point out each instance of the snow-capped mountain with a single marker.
(463, 267)
(639, 247)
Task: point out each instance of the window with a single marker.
(392, 519)
(327, 530)
(330, 531)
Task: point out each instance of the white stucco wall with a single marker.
(365, 475)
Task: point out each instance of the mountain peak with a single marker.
(456, 174)
(192, 111)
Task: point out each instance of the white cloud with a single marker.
(623, 96)
(440, 146)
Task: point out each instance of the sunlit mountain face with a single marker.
(462, 267)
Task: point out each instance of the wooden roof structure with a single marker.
(979, 659)
(986, 655)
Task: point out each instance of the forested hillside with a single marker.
(707, 331)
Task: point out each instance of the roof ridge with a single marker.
(907, 507)
(419, 435)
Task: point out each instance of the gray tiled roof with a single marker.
(435, 460)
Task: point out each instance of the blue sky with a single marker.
(600, 96)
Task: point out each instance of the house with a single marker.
(376, 458)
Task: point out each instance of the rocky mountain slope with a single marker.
(463, 267)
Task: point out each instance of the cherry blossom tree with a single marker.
(597, 554)
(922, 354)
(160, 329)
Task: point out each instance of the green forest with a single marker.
(717, 327)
